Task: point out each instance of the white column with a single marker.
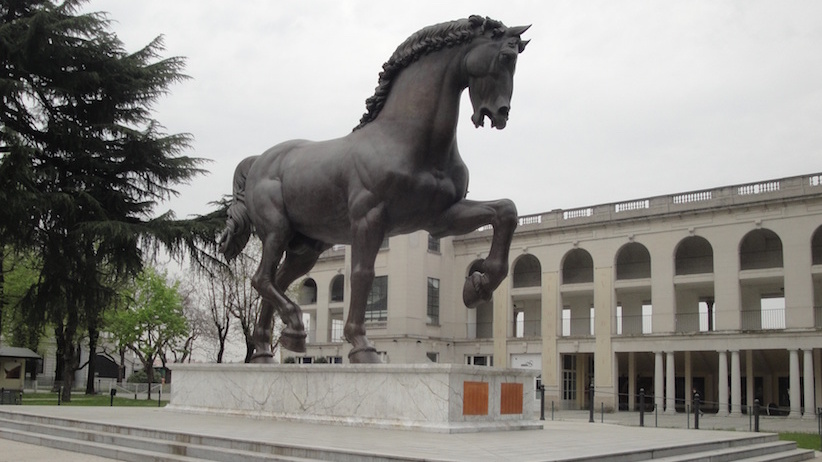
(749, 380)
(631, 381)
(670, 384)
(807, 365)
(736, 385)
(793, 393)
(658, 383)
(723, 383)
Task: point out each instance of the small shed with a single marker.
(13, 366)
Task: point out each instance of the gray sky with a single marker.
(612, 100)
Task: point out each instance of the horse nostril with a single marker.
(504, 111)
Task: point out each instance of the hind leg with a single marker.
(273, 299)
(299, 259)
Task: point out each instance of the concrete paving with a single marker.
(568, 435)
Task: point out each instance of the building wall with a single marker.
(638, 311)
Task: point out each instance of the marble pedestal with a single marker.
(430, 397)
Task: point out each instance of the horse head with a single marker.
(490, 66)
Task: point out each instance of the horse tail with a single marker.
(237, 230)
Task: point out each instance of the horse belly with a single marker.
(316, 201)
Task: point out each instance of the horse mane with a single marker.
(419, 44)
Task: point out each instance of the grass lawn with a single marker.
(49, 399)
(803, 440)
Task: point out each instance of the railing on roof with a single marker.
(725, 196)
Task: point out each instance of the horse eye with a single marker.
(506, 58)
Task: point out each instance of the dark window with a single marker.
(433, 244)
(338, 288)
(377, 307)
(433, 310)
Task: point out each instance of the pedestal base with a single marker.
(430, 397)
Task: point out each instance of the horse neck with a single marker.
(423, 105)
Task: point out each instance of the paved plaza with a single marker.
(569, 434)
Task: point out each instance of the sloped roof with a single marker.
(17, 352)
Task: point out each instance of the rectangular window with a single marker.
(569, 377)
(433, 356)
(337, 330)
(647, 317)
(433, 310)
(480, 360)
(377, 307)
(433, 244)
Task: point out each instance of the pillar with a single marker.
(793, 393)
(723, 383)
(689, 380)
(550, 324)
(502, 323)
(736, 384)
(807, 365)
(604, 359)
(750, 380)
(659, 391)
(670, 384)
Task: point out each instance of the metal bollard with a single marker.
(542, 402)
(591, 404)
(641, 407)
(696, 411)
(602, 412)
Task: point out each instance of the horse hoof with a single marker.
(266, 357)
(364, 355)
(472, 292)
(293, 340)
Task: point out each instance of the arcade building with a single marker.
(716, 292)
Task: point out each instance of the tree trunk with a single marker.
(93, 336)
(71, 357)
(148, 366)
(121, 370)
(58, 368)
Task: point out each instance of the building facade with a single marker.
(716, 292)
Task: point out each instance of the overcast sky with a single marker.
(612, 100)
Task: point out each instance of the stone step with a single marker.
(122, 444)
(91, 448)
(767, 451)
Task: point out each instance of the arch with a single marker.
(337, 288)
(760, 248)
(694, 255)
(816, 247)
(527, 272)
(577, 267)
(633, 261)
(308, 292)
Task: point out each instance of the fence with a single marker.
(690, 414)
(101, 386)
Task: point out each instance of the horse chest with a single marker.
(431, 190)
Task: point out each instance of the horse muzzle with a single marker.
(498, 118)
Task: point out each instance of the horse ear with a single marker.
(518, 30)
(522, 45)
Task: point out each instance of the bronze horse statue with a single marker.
(399, 171)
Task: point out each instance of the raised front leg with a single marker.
(368, 234)
(466, 216)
